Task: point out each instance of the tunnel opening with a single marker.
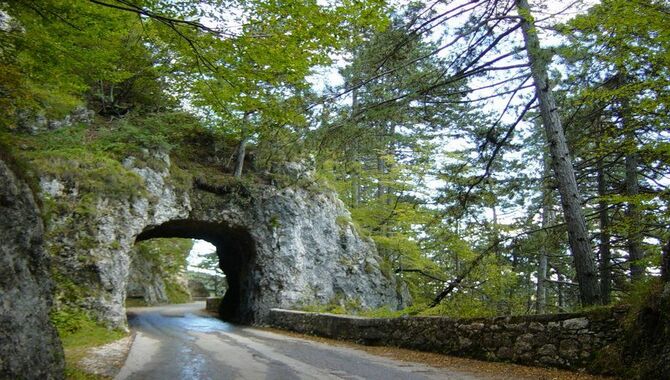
(236, 254)
(205, 277)
(158, 273)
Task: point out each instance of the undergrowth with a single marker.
(642, 352)
(79, 332)
(176, 293)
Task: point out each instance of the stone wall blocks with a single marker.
(516, 326)
(505, 353)
(464, 342)
(554, 325)
(547, 350)
(564, 347)
(523, 344)
(474, 327)
(585, 337)
(552, 361)
(576, 323)
(569, 348)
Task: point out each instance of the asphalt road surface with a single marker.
(182, 342)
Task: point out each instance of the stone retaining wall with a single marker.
(559, 340)
(212, 303)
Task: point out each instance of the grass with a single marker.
(136, 302)
(79, 333)
(74, 373)
(176, 294)
(76, 346)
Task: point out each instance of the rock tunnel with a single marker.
(237, 257)
(286, 247)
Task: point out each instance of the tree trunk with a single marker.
(511, 291)
(585, 266)
(547, 219)
(456, 281)
(559, 290)
(665, 262)
(541, 296)
(239, 158)
(390, 151)
(635, 254)
(381, 169)
(355, 182)
(241, 148)
(355, 190)
(496, 234)
(604, 247)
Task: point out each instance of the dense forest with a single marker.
(506, 157)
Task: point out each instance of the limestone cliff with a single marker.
(282, 247)
(29, 345)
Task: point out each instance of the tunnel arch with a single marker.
(236, 250)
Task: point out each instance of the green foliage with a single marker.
(176, 293)
(95, 174)
(91, 156)
(69, 320)
(67, 291)
(646, 330)
(385, 312)
(215, 283)
(169, 255)
(78, 332)
(135, 302)
(167, 258)
(77, 329)
(74, 373)
(383, 152)
(274, 222)
(337, 305)
(59, 54)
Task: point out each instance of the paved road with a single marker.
(181, 342)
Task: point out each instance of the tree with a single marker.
(617, 52)
(59, 54)
(561, 162)
(665, 264)
(216, 278)
(257, 83)
(251, 77)
(377, 149)
(490, 24)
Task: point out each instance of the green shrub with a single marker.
(643, 351)
(176, 293)
(77, 329)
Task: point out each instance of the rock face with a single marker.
(157, 273)
(29, 345)
(36, 123)
(145, 282)
(278, 247)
